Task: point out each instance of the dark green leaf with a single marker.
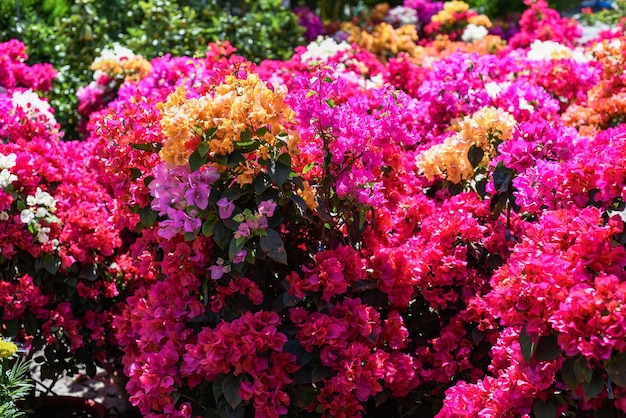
(135, 173)
(231, 160)
(582, 372)
(607, 411)
(211, 413)
(567, 374)
(233, 248)
(497, 204)
(208, 227)
(300, 205)
(526, 345)
(231, 391)
(196, 160)
(273, 246)
(616, 369)
(245, 135)
(218, 387)
(229, 412)
(547, 348)
(302, 356)
(150, 146)
(147, 216)
(543, 409)
(203, 148)
(304, 396)
(88, 272)
(233, 193)
(261, 182)
(318, 373)
(12, 328)
(210, 133)
(279, 170)
(222, 235)
(51, 263)
(594, 387)
(262, 131)
(285, 159)
(475, 155)
(91, 370)
(502, 177)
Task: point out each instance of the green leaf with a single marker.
(279, 170)
(12, 328)
(51, 263)
(616, 370)
(548, 348)
(147, 217)
(582, 372)
(89, 272)
(233, 248)
(196, 160)
(318, 373)
(231, 391)
(497, 204)
(261, 183)
(208, 227)
(475, 155)
(594, 387)
(543, 409)
(218, 387)
(607, 411)
(135, 173)
(330, 103)
(309, 94)
(273, 246)
(262, 131)
(203, 148)
(233, 193)
(526, 345)
(502, 177)
(567, 374)
(149, 146)
(222, 235)
(245, 136)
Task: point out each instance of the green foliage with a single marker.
(14, 386)
(69, 34)
(607, 16)
(263, 34)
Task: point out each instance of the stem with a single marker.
(17, 10)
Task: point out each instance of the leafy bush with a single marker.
(14, 382)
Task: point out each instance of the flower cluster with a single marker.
(457, 20)
(383, 40)
(382, 227)
(472, 146)
(112, 68)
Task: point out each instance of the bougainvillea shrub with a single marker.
(382, 224)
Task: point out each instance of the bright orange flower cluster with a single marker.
(384, 41)
(449, 160)
(132, 68)
(606, 105)
(443, 46)
(218, 118)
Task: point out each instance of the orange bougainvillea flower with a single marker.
(449, 159)
(240, 104)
